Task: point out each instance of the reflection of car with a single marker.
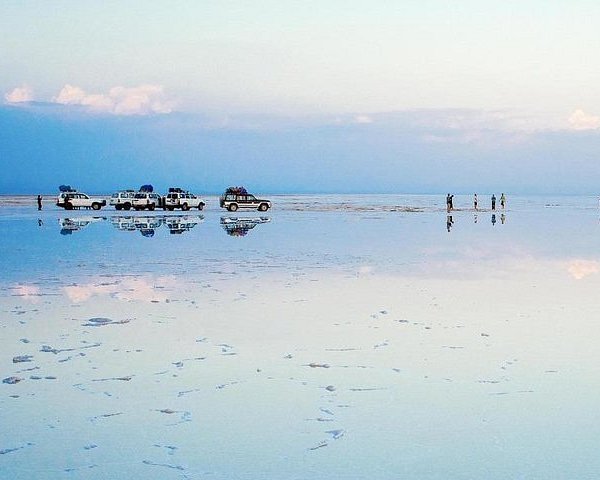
(122, 200)
(149, 200)
(238, 197)
(124, 223)
(178, 198)
(146, 225)
(75, 200)
(180, 224)
(70, 225)
(239, 226)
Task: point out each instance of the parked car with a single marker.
(122, 200)
(178, 198)
(238, 197)
(149, 200)
(72, 199)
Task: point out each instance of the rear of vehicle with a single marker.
(144, 200)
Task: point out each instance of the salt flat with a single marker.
(379, 339)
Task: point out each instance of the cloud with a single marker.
(579, 269)
(579, 120)
(29, 292)
(147, 289)
(141, 100)
(363, 119)
(19, 95)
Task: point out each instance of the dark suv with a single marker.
(238, 197)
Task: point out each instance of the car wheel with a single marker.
(200, 206)
(118, 207)
(151, 207)
(68, 206)
(95, 206)
(233, 207)
(185, 207)
(170, 209)
(127, 206)
(263, 207)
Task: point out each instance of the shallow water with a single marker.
(332, 337)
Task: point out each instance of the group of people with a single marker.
(450, 202)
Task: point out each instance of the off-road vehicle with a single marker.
(237, 197)
(178, 198)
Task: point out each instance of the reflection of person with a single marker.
(475, 218)
(502, 200)
(493, 219)
(40, 222)
(502, 219)
(39, 202)
(449, 222)
(475, 201)
(493, 202)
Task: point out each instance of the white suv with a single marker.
(122, 200)
(143, 200)
(76, 200)
(177, 198)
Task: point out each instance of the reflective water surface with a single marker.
(332, 337)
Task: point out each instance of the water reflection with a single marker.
(449, 222)
(183, 223)
(70, 225)
(494, 220)
(240, 226)
(145, 225)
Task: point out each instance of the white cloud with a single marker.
(579, 120)
(19, 94)
(127, 289)
(141, 100)
(579, 269)
(363, 119)
(29, 292)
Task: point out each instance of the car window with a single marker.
(251, 198)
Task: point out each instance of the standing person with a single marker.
(475, 201)
(493, 201)
(39, 202)
(451, 202)
(502, 201)
(448, 202)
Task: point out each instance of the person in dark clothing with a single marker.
(39, 202)
(493, 202)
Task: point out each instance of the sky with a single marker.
(301, 96)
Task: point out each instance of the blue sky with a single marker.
(429, 94)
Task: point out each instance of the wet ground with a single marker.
(331, 337)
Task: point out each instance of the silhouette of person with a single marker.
(451, 202)
(502, 219)
(449, 222)
(502, 201)
(39, 202)
(475, 201)
(493, 202)
(493, 219)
